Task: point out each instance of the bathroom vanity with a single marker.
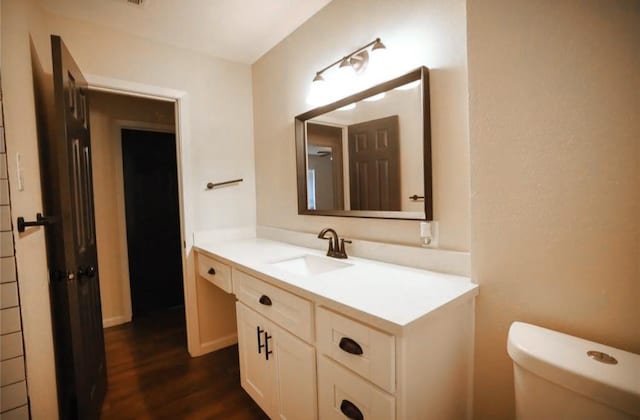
(350, 338)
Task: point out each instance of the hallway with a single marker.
(151, 375)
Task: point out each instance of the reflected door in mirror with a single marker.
(374, 165)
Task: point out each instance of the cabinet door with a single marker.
(296, 370)
(284, 383)
(258, 375)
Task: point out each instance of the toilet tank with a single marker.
(558, 376)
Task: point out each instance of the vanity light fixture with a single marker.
(357, 59)
(348, 66)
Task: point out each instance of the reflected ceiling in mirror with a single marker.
(368, 155)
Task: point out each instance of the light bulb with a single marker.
(317, 93)
(343, 81)
(378, 69)
(348, 107)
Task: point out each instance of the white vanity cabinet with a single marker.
(421, 372)
(277, 368)
(304, 354)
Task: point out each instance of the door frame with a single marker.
(345, 154)
(185, 191)
(125, 281)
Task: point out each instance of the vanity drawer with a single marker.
(291, 312)
(216, 272)
(365, 350)
(342, 394)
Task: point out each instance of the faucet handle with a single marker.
(341, 248)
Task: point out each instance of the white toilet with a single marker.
(558, 376)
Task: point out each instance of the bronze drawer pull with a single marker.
(265, 300)
(350, 346)
(350, 410)
(212, 271)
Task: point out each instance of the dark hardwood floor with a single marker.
(152, 376)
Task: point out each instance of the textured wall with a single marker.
(555, 169)
(20, 19)
(13, 386)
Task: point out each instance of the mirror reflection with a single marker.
(369, 154)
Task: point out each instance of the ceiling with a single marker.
(236, 30)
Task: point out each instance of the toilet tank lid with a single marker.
(563, 360)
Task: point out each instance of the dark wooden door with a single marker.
(374, 165)
(63, 116)
(153, 220)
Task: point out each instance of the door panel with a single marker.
(277, 369)
(296, 367)
(327, 164)
(374, 165)
(257, 374)
(65, 155)
(342, 393)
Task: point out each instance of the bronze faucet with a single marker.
(336, 245)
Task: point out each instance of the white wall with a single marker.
(416, 32)
(555, 168)
(13, 386)
(220, 103)
(219, 146)
(19, 18)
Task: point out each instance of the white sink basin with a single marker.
(310, 265)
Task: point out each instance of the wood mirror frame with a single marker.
(422, 74)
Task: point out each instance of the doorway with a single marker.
(180, 111)
(150, 177)
(324, 159)
(127, 175)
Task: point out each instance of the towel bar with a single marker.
(212, 185)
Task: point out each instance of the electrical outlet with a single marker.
(429, 234)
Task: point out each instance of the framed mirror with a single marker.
(369, 154)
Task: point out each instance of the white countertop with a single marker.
(393, 294)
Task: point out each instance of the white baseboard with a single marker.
(115, 320)
(217, 344)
